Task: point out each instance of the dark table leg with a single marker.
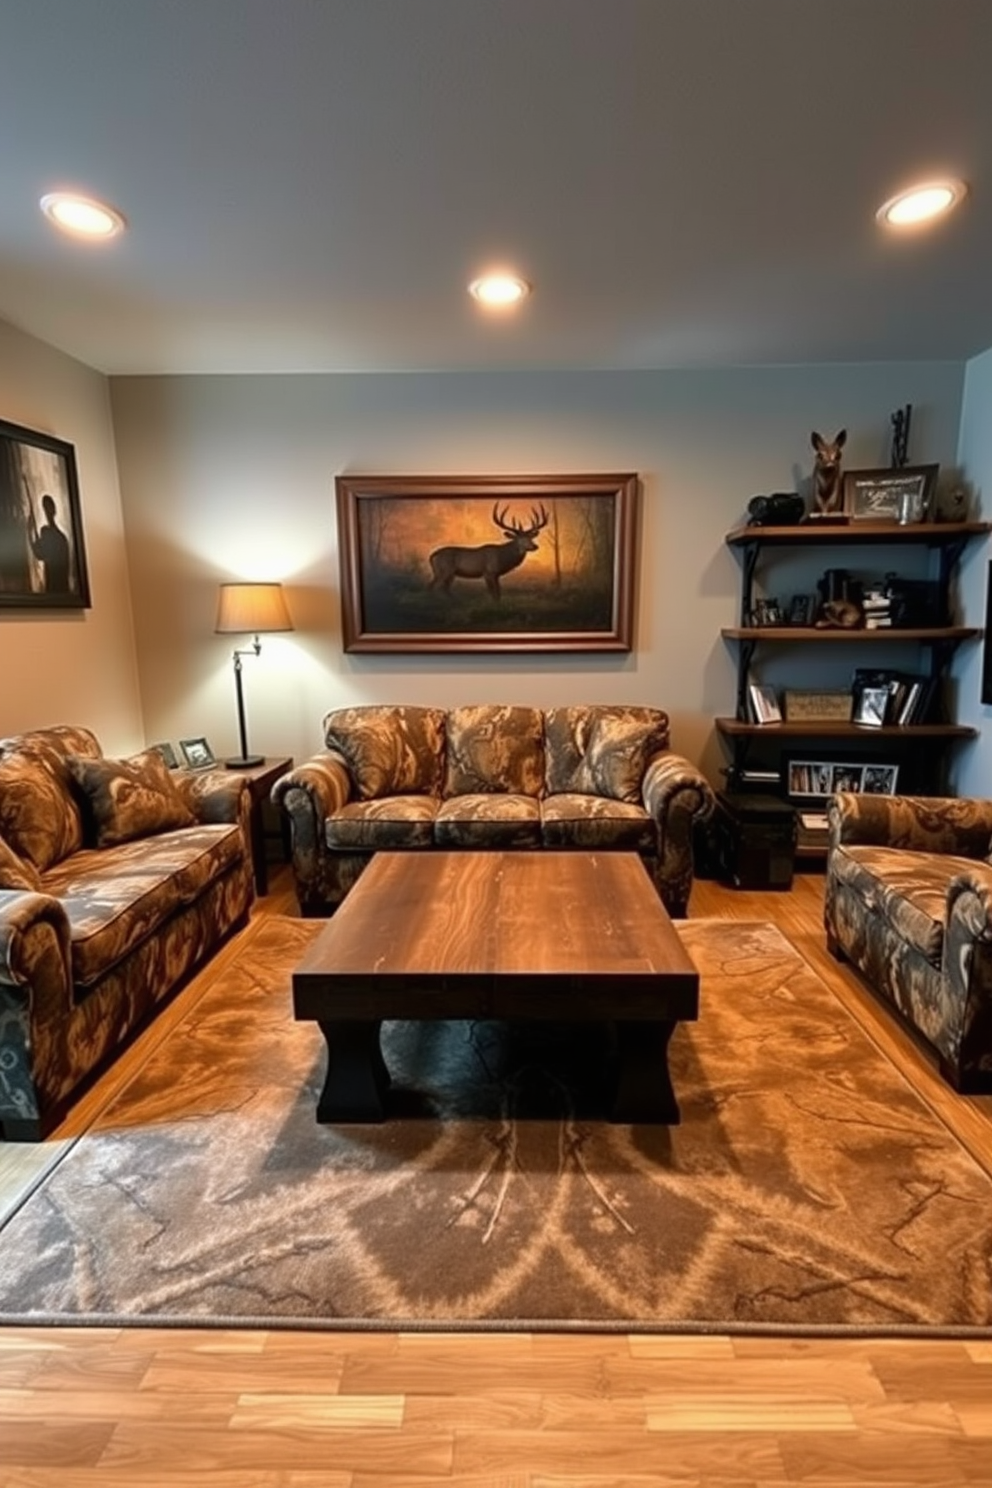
(357, 1078)
(644, 1086)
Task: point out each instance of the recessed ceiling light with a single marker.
(499, 290)
(921, 203)
(82, 216)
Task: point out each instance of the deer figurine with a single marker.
(489, 561)
(826, 472)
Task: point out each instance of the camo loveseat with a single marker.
(597, 778)
(909, 903)
(118, 878)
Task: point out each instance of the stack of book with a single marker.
(885, 697)
(877, 607)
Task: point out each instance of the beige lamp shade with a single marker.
(251, 609)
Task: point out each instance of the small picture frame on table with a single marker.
(197, 754)
(167, 752)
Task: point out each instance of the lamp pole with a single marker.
(246, 758)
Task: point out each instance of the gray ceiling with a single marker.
(310, 184)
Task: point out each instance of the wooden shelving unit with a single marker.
(947, 539)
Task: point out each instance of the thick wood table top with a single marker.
(515, 927)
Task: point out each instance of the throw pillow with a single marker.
(38, 816)
(129, 798)
(389, 750)
(17, 872)
(603, 750)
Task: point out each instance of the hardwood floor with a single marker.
(150, 1408)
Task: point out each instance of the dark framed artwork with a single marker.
(902, 495)
(42, 554)
(487, 563)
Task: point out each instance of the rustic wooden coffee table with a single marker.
(506, 935)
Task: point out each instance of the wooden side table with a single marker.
(261, 779)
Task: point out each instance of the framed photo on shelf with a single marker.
(197, 753)
(902, 495)
(817, 779)
(872, 705)
(763, 703)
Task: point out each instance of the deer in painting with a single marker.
(826, 471)
(489, 561)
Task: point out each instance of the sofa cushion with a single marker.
(595, 822)
(39, 815)
(128, 798)
(495, 749)
(488, 821)
(375, 826)
(389, 751)
(116, 897)
(906, 889)
(17, 872)
(602, 751)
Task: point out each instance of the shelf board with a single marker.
(935, 534)
(827, 729)
(804, 633)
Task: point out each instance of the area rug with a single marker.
(807, 1189)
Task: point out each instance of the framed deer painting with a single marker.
(480, 563)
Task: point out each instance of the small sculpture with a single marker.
(900, 422)
(826, 473)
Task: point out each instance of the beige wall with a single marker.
(233, 477)
(75, 666)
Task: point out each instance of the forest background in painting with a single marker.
(565, 579)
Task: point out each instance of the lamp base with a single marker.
(246, 763)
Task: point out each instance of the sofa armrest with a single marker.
(215, 795)
(939, 824)
(672, 783)
(967, 978)
(677, 796)
(309, 794)
(24, 916)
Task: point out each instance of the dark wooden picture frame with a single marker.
(487, 563)
(197, 754)
(878, 495)
(42, 552)
(167, 752)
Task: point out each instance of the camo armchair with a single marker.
(413, 778)
(909, 904)
(118, 878)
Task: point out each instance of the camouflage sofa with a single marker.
(117, 879)
(909, 904)
(597, 778)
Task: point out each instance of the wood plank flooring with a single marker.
(152, 1408)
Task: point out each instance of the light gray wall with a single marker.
(975, 457)
(71, 666)
(233, 478)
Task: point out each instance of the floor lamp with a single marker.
(246, 609)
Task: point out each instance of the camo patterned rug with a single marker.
(807, 1189)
